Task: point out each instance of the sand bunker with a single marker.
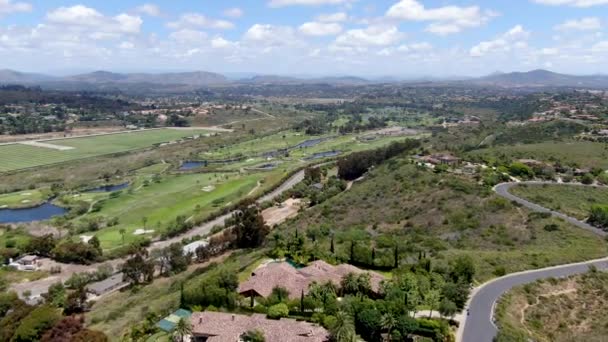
(208, 188)
(143, 231)
(26, 194)
(25, 201)
(85, 238)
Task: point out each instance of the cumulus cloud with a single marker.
(445, 20)
(270, 35)
(284, 3)
(149, 9)
(233, 12)
(196, 20)
(332, 17)
(378, 35)
(573, 3)
(188, 36)
(9, 7)
(583, 24)
(514, 38)
(320, 29)
(221, 43)
(86, 17)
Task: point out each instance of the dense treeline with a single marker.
(355, 165)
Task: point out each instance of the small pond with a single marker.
(190, 165)
(109, 188)
(311, 142)
(40, 213)
(325, 154)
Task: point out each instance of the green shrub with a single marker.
(278, 311)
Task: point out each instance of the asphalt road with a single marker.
(479, 325)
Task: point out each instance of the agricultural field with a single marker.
(572, 200)
(556, 310)
(17, 156)
(581, 153)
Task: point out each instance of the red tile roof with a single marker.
(282, 274)
(227, 327)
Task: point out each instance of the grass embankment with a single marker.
(582, 153)
(444, 216)
(572, 200)
(556, 310)
(17, 156)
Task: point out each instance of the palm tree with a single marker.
(344, 329)
(388, 322)
(122, 232)
(182, 328)
(349, 284)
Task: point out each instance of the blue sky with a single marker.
(403, 38)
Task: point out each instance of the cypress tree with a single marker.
(396, 257)
(302, 302)
(331, 246)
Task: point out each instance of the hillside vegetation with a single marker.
(417, 211)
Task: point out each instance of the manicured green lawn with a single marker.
(22, 199)
(15, 157)
(162, 202)
(263, 144)
(571, 200)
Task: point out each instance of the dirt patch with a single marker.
(277, 214)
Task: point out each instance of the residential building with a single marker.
(226, 327)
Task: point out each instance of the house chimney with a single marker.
(233, 317)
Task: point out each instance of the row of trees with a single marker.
(66, 251)
(356, 164)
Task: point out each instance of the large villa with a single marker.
(226, 327)
(296, 281)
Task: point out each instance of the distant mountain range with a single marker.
(105, 79)
(541, 78)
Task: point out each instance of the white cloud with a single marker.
(8, 7)
(149, 9)
(370, 36)
(221, 43)
(196, 20)
(583, 24)
(514, 38)
(600, 47)
(283, 3)
(82, 16)
(445, 20)
(188, 36)
(549, 51)
(573, 3)
(320, 29)
(233, 12)
(332, 17)
(270, 35)
(126, 45)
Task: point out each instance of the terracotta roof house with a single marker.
(226, 327)
(282, 274)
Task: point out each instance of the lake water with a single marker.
(324, 155)
(109, 188)
(39, 213)
(189, 165)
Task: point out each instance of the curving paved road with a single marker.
(478, 326)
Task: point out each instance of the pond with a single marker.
(325, 154)
(109, 188)
(311, 142)
(40, 213)
(190, 165)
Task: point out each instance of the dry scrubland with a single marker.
(556, 310)
(445, 216)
